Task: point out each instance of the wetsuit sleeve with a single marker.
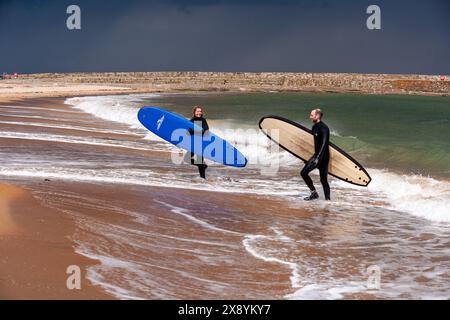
(324, 142)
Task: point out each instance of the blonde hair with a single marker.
(195, 109)
(318, 111)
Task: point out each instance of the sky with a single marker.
(221, 35)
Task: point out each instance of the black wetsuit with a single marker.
(199, 162)
(320, 159)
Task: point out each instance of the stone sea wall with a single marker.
(267, 81)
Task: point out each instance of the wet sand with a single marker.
(36, 250)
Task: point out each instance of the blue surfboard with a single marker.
(188, 136)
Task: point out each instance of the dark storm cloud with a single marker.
(220, 35)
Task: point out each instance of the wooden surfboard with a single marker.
(299, 141)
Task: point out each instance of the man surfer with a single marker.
(321, 156)
(197, 118)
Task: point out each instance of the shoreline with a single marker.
(109, 229)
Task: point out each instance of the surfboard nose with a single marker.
(142, 114)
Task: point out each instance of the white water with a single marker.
(421, 196)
